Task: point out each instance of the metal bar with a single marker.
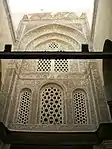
(55, 55)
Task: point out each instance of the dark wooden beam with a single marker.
(55, 55)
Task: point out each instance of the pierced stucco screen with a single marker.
(24, 106)
(44, 65)
(80, 107)
(51, 108)
(61, 65)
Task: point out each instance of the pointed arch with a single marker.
(51, 104)
(45, 29)
(56, 25)
(80, 106)
(24, 106)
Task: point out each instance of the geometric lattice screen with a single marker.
(51, 105)
(44, 65)
(61, 65)
(53, 45)
(24, 106)
(80, 107)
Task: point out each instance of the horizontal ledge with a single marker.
(55, 55)
(104, 132)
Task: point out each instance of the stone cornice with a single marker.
(54, 16)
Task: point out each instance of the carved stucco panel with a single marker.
(37, 33)
(69, 84)
(77, 24)
(30, 67)
(102, 104)
(36, 41)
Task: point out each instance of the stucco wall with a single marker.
(5, 35)
(102, 27)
